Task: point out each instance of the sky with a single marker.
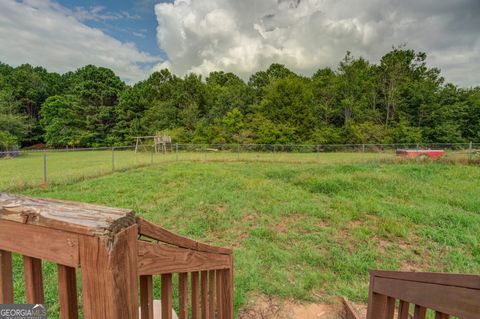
(136, 37)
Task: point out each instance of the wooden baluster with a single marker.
(195, 301)
(211, 294)
(219, 275)
(183, 295)
(204, 293)
(6, 277)
(32, 268)
(146, 297)
(440, 315)
(167, 296)
(227, 292)
(420, 312)
(403, 310)
(67, 292)
(390, 311)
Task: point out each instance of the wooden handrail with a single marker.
(447, 279)
(156, 232)
(446, 294)
(163, 259)
(108, 245)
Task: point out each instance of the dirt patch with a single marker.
(360, 309)
(274, 308)
(287, 222)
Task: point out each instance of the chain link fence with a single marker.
(20, 169)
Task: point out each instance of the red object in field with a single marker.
(420, 153)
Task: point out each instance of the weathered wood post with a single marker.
(377, 304)
(109, 275)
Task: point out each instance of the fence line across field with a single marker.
(273, 147)
(57, 164)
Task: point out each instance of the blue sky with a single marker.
(127, 20)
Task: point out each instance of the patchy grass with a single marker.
(308, 232)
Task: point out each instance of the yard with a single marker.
(64, 167)
(304, 232)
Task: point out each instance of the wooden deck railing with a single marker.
(445, 295)
(116, 254)
(210, 269)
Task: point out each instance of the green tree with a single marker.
(97, 91)
(61, 121)
(289, 105)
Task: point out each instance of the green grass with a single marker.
(63, 167)
(308, 232)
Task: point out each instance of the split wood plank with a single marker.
(158, 233)
(447, 279)
(64, 215)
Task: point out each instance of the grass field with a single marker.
(64, 167)
(308, 232)
(67, 167)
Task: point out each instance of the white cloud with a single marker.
(42, 32)
(99, 14)
(245, 36)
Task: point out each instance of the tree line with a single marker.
(398, 100)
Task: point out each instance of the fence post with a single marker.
(45, 166)
(113, 159)
(470, 151)
(151, 155)
(363, 148)
(176, 152)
